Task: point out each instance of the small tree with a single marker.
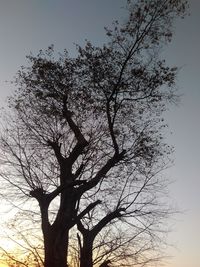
(106, 232)
(80, 126)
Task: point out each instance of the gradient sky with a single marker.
(30, 25)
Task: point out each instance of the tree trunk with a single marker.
(56, 248)
(86, 253)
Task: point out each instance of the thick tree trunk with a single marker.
(56, 235)
(56, 248)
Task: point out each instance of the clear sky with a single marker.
(30, 25)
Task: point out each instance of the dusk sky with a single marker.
(29, 25)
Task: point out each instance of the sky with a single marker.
(29, 25)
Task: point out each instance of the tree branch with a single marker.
(102, 172)
(56, 148)
(68, 116)
(108, 218)
(86, 210)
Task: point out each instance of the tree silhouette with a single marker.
(87, 132)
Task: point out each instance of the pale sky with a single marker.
(30, 25)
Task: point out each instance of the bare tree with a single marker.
(79, 126)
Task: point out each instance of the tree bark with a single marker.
(86, 253)
(56, 236)
(56, 248)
